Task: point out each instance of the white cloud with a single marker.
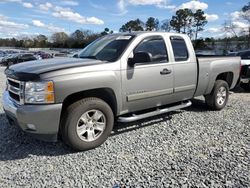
(7, 27)
(211, 17)
(147, 2)
(236, 15)
(123, 4)
(27, 5)
(38, 23)
(157, 3)
(17, 34)
(171, 7)
(24, 4)
(2, 17)
(194, 5)
(241, 25)
(46, 6)
(10, 1)
(70, 15)
(122, 7)
(53, 29)
(5, 23)
(49, 27)
(213, 30)
(70, 2)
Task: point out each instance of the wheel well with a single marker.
(226, 76)
(105, 94)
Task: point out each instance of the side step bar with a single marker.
(135, 117)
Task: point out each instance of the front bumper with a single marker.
(41, 121)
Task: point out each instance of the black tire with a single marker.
(71, 118)
(245, 86)
(211, 99)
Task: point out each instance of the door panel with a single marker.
(185, 69)
(147, 84)
(145, 87)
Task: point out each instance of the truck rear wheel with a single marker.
(87, 123)
(218, 98)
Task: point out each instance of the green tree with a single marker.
(76, 39)
(187, 20)
(78, 35)
(199, 21)
(177, 21)
(106, 31)
(182, 21)
(60, 39)
(246, 17)
(132, 25)
(152, 24)
(41, 41)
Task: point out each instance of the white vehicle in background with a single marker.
(245, 68)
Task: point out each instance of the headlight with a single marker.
(39, 92)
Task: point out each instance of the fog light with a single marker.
(31, 127)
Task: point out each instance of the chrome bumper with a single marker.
(39, 120)
(245, 80)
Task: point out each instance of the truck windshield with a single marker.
(107, 48)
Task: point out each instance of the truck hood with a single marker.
(32, 69)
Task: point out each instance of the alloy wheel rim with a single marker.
(91, 125)
(221, 95)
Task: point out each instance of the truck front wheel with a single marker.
(87, 123)
(218, 98)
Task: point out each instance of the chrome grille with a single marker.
(15, 89)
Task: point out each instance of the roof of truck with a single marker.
(136, 33)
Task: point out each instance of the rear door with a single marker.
(185, 68)
(148, 84)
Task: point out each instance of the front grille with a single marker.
(15, 89)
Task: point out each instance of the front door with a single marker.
(148, 84)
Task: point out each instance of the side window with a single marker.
(156, 48)
(245, 55)
(179, 48)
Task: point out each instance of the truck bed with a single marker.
(210, 66)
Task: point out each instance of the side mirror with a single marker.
(75, 56)
(139, 57)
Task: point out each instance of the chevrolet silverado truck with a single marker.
(119, 77)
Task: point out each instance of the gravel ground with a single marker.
(194, 147)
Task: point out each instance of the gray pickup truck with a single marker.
(119, 77)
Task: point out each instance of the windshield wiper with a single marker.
(89, 57)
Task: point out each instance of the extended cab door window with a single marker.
(179, 48)
(156, 49)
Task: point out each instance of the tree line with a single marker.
(183, 21)
(78, 39)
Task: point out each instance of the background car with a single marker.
(17, 58)
(245, 68)
(43, 55)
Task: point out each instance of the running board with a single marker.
(135, 117)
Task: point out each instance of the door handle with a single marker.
(165, 71)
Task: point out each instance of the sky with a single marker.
(32, 17)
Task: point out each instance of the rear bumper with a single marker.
(41, 121)
(245, 80)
